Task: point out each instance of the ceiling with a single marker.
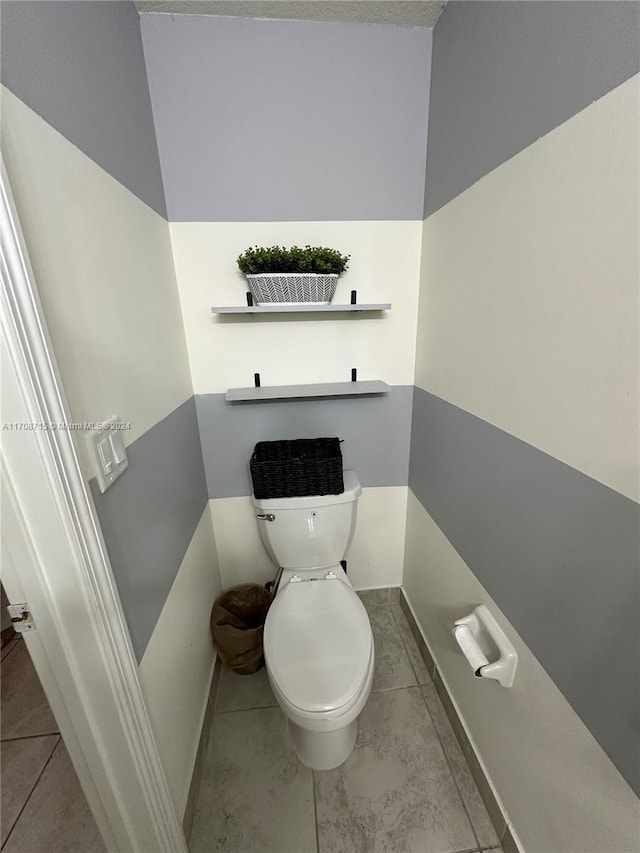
(399, 13)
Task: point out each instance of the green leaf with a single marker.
(277, 259)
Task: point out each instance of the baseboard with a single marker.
(379, 594)
(203, 743)
(492, 806)
(417, 634)
(509, 843)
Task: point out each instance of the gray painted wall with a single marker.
(504, 74)
(149, 515)
(287, 120)
(376, 433)
(557, 551)
(80, 66)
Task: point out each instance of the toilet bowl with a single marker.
(318, 644)
(320, 658)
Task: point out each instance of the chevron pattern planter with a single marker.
(292, 288)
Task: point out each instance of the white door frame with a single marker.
(54, 557)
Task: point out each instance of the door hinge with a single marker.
(21, 618)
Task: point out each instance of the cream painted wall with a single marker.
(226, 351)
(376, 555)
(103, 264)
(241, 555)
(534, 327)
(559, 790)
(177, 666)
(374, 559)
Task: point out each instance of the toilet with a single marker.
(318, 644)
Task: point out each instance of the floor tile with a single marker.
(374, 597)
(8, 647)
(417, 661)
(239, 692)
(396, 792)
(255, 793)
(22, 763)
(25, 710)
(486, 834)
(56, 818)
(393, 667)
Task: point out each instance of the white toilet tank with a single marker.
(309, 532)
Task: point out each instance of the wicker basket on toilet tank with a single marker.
(296, 467)
(295, 276)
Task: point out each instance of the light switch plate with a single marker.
(107, 452)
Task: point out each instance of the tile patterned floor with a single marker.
(43, 808)
(405, 789)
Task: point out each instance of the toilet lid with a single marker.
(317, 643)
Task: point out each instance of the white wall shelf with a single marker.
(292, 392)
(297, 309)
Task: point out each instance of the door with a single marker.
(54, 558)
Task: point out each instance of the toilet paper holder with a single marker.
(486, 647)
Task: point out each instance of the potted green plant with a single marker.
(297, 275)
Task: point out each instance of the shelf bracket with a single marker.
(256, 380)
(354, 374)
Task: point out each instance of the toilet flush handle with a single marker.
(266, 516)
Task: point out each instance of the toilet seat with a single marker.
(318, 645)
